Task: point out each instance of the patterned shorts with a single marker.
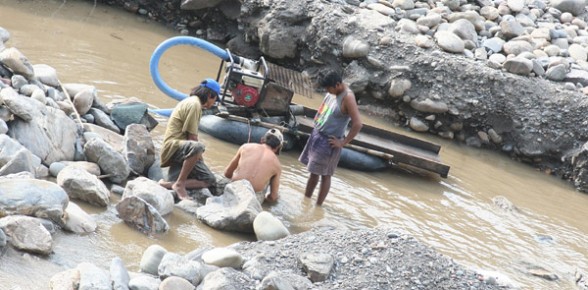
(318, 155)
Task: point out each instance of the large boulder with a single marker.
(33, 197)
(140, 214)
(55, 133)
(80, 184)
(235, 210)
(110, 161)
(27, 234)
(139, 149)
(153, 193)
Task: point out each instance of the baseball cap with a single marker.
(211, 84)
(278, 135)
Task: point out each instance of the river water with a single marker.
(111, 49)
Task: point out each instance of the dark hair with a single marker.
(203, 93)
(330, 79)
(272, 141)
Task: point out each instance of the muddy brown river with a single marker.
(110, 49)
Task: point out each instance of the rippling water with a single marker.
(111, 49)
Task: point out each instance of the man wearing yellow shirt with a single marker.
(181, 150)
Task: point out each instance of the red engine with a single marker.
(245, 95)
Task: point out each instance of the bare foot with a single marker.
(165, 184)
(181, 191)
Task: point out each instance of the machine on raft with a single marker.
(253, 100)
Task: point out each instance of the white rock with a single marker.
(223, 257)
(269, 228)
(578, 52)
(77, 220)
(516, 5)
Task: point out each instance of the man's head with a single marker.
(332, 82)
(208, 91)
(274, 139)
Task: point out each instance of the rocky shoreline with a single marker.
(509, 76)
(84, 151)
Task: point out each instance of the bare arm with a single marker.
(192, 137)
(274, 187)
(350, 106)
(233, 165)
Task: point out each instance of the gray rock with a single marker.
(140, 214)
(418, 125)
(519, 65)
(464, 29)
(110, 161)
(46, 75)
(139, 149)
(318, 266)
(66, 280)
(284, 281)
(119, 276)
(144, 282)
(17, 62)
(577, 76)
(33, 197)
(557, 72)
(78, 221)
(102, 119)
(575, 7)
(80, 184)
(223, 257)
(449, 42)
(93, 278)
(174, 265)
(516, 47)
(511, 28)
(54, 132)
(153, 193)
(235, 210)
(226, 279)
(27, 234)
(83, 101)
(175, 283)
(429, 106)
(151, 259)
(398, 87)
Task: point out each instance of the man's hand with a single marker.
(335, 142)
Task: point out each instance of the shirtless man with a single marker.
(259, 164)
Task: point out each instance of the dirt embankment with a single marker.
(456, 96)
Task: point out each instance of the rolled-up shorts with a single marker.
(318, 155)
(200, 171)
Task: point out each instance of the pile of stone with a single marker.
(363, 259)
(59, 143)
(530, 38)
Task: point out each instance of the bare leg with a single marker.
(311, 185)
(324, 189)
(180, 185)
(166, 184)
